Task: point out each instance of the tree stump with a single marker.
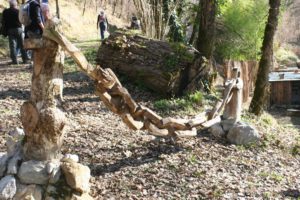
(41, 117)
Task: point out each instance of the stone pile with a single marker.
(55, 179)
(239, 133)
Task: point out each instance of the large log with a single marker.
(163, 67)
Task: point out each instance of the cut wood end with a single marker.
(131, 123)
(186, 133)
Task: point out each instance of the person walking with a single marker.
(10, 19)
(102, 23)
(36, 27)
(135, 23)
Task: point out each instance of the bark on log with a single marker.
(160, 66)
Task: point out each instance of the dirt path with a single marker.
(131, 165)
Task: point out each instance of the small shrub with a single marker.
(296, 150)
(162, 105)
(189, 103)
(197, 97)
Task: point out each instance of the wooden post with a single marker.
(42, 119)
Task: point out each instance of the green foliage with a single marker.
(172, 15)
(242, 29)
(182, 50)
(296, 147)
(176, 33)
(180, 54)
(89, 49)
(196, 98)
(189, 103)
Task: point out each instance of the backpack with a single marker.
(24, 14)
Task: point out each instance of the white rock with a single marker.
(13, 140)
(33, 172)
(52, 165)
(243, 134)
(17, 133)
(70, 157)
(217, 131)
(8, 187)
(77, 176)
(84, 196)
(227, 124)
(53, 169)
(13, 163)
(32, 192)
(3, 163)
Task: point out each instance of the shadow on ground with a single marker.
(291, 193)
(151, 155)
(15, 94)
(283, 117)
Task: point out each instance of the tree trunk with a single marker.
(84, 5)
(42, 120)
(195, 26)
(205, 44)
(262, 81)
(57, 9)
(206, 35)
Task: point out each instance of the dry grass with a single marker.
(77, 26)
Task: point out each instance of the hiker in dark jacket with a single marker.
(36, 27)
(15, 32)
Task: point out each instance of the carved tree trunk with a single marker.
(42, 120)
(233, 108)
(262, 81)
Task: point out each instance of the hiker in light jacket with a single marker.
(102, 23)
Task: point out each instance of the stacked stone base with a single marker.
(58, 179)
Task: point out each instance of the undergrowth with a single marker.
(282, 136)
(189, 104)
(88, 48)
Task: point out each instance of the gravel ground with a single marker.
(129, 164)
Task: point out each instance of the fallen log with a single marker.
(163, 67)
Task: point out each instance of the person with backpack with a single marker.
(14, 31)
(102, 23)
(135, 23)
(35, 28)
